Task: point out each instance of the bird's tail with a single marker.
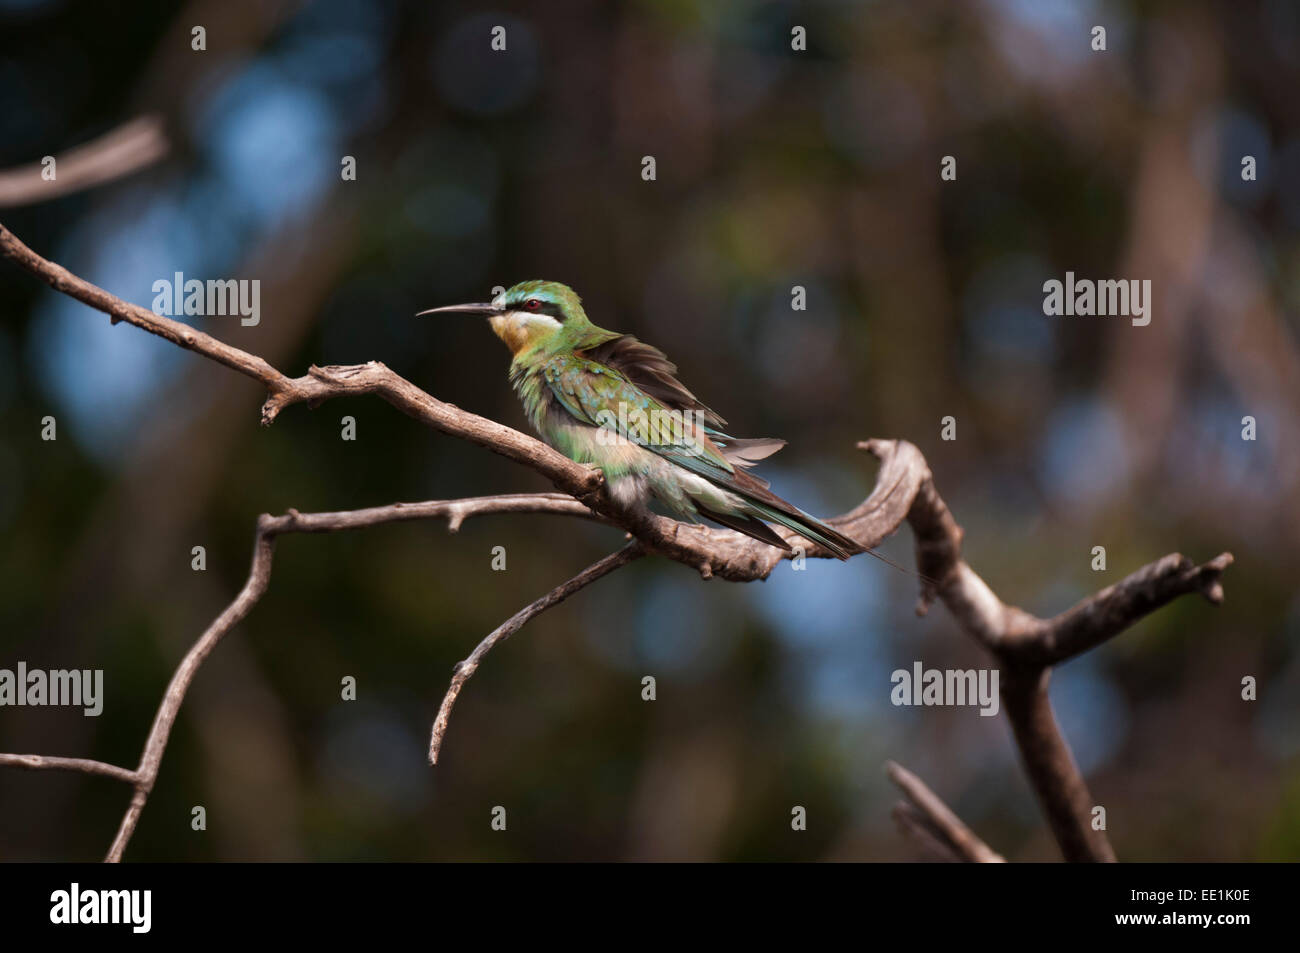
(752, 525)
(808, 527)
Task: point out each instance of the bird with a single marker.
(611, 401)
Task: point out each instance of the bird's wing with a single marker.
(655, 375)
(603, 396)
(651, 370)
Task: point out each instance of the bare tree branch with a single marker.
(937, 819)
(469, 666)
(1049, 762)
(712, 552)
(456, 512)
(179, 333)
(1103, 616)
(83, 765)
(259, 576)
(114, 155)
(1024, 645)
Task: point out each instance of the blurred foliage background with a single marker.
(775, 168)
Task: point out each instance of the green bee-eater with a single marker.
(607, 399)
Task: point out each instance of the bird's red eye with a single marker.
(532, 304)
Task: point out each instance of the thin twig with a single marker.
(467, 667)
(921, 831)
(943, 823)
(83, 765)
(116, 154)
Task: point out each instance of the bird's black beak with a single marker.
(462, 309)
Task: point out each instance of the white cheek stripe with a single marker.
(523, 319)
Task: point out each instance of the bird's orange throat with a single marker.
(519, 330)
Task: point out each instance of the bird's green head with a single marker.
(533, 315)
